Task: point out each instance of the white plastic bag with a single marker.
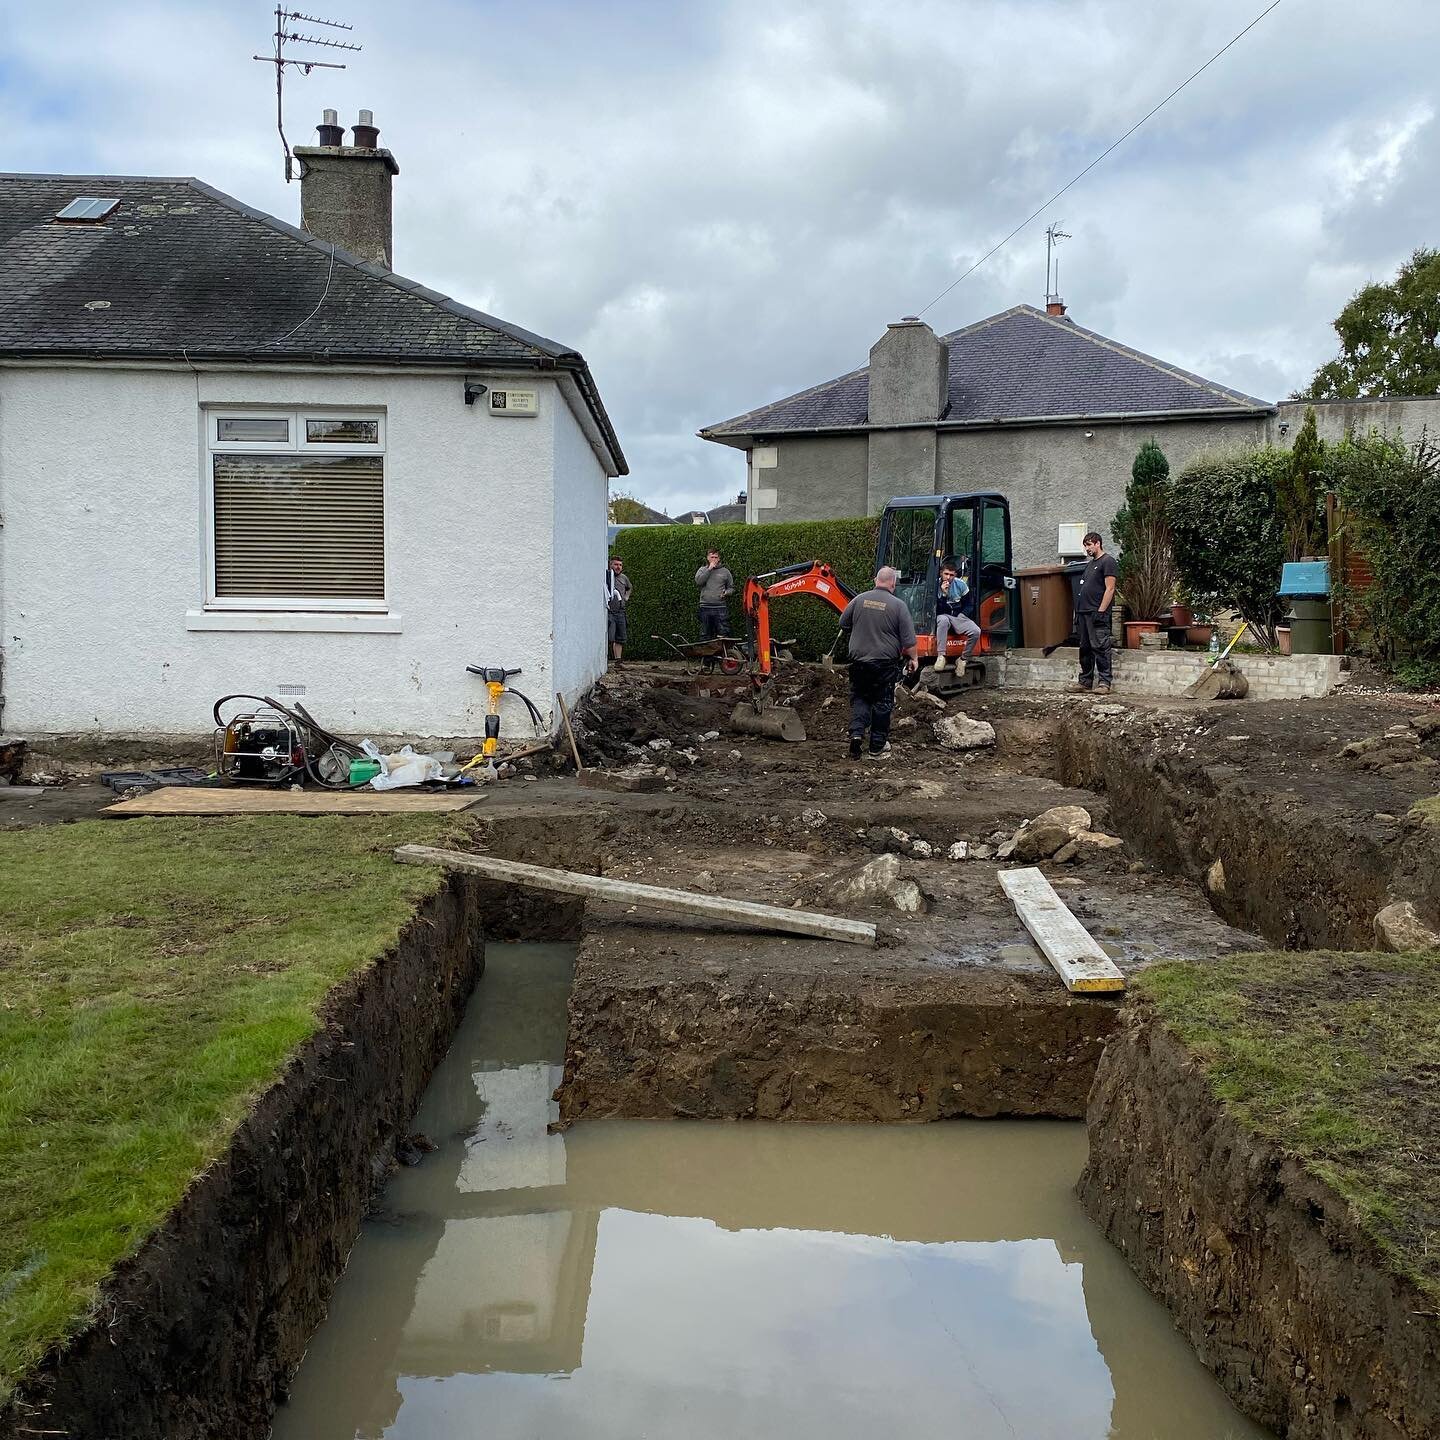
(405, 767)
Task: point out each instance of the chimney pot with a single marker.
(345, 189)
(1054, 306)
(329, 129)
(367, 135)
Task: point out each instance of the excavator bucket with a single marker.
(770, 722)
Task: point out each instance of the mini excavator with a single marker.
(917, 533)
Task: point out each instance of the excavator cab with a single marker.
(919, 532)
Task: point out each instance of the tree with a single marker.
(1299, 491)
(1390, 493)
(1388, 337)
(627, 510)
(1141, 531)
(1228, 537)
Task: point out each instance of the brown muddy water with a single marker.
(705, 1279)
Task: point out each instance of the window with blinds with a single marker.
(294, 522)
(302, 526)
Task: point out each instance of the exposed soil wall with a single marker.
(1258, 1261)
(833, 1047)
(198, 1334)
(1310, 850)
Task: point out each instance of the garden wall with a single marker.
(1161, 673)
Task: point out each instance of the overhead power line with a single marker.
(1109, 149)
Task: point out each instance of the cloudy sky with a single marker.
(723, 201)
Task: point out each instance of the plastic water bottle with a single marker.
(1215, 642)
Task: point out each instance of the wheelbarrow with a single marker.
(725, 651)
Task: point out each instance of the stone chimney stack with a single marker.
(909, 386)
(909, 374)
(345, 189)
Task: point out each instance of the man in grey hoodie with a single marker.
(717, 585)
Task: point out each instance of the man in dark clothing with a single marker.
(716, 584)
(1093, 606)
(880, 634)
(617, 597)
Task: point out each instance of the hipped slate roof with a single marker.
(181, 271)
(1021, 365)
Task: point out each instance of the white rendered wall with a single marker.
(101, 474)
(581, 550)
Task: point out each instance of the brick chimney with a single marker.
(345, 189)
(1054, 306)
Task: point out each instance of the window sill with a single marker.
(337, 621)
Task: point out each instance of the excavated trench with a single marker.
(954, 1015)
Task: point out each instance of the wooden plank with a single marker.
(234, 800)
(625, 892)
(1066, 943)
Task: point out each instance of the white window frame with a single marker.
(298, 445)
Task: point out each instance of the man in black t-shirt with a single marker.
(1093, 607)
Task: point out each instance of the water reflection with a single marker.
(717, 1280)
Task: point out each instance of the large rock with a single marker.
(906, 898)
(960, 732)
(1399, 927)
(1050, 831)
(871, 884)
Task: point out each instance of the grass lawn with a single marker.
(155, 975)
(1335, 1058)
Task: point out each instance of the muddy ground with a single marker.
(1304, 805)
(956, 1012)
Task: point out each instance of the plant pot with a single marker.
(1198, 634)
(1182, 616)
(1282, 634)
(1134, 629)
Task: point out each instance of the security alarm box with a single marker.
(1071, 540)
(514, 402)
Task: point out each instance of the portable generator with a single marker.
(262, 745)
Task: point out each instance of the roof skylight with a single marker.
(87, 209)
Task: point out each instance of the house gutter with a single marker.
(741, 438)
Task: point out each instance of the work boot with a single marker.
(1079, 688)
(881, 754)
(1102, 689)
(855, 747)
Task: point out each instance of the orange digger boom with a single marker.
(757, 715)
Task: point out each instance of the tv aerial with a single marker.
(285, 35)
(1053, 236)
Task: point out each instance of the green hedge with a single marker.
(661, 562)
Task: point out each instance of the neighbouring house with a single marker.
(237, 455)
(1026, 403)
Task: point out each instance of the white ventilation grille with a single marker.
(299, 527)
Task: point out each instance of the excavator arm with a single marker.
(759, 715)
(809, 577)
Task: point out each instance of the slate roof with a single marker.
(180, 270)
(1021, 365)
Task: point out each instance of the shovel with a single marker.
(1229, 688)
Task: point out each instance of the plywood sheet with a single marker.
(239, 800)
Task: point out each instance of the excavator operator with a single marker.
(880, 634)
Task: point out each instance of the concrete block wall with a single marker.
(1161, 673)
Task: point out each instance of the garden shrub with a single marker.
(661, 562)
(1141, 531)
(1390, 494)
(1228, 535)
